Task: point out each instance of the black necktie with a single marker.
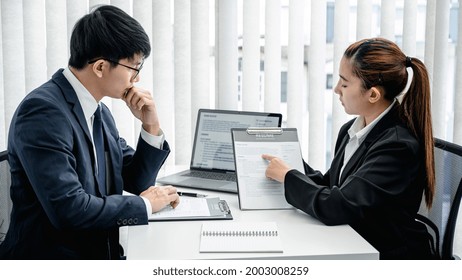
(98, 140)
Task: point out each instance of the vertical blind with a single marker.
(258, 55)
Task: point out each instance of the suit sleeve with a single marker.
(386, 171)
(140, 169)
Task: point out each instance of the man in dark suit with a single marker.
(68, 175)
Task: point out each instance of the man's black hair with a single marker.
(107, 32)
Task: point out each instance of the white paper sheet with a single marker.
(188, 207)
(256, 191)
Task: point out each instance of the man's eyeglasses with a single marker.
(137, 70)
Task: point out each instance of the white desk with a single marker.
(302, 236)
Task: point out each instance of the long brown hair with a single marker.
(380, 62)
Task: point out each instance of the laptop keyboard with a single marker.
(212, 175)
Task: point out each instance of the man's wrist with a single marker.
(156, 141)
(148, 205)
(152, 129)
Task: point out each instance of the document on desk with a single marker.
(255, 190)
(194, 208)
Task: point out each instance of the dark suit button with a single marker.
(119, 222)
(130, 221)
(124, 222)
(135, 221)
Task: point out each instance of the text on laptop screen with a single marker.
(213, 143)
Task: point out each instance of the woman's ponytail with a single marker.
(416, 109)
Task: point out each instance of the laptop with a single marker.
(212, 161)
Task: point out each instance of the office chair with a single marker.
(5, 200)
(441, 219)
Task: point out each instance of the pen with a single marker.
(191, 194)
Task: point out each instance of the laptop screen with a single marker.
(213, 147)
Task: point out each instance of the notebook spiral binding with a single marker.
(251, 233)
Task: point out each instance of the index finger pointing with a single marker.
(267, 157)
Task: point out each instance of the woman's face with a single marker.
(354, 98)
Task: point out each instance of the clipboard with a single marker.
(193, 208)
(255, 190)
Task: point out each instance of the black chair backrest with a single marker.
(5, 200)
(446, 202)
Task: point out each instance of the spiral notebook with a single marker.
(239, 237)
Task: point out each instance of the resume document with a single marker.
(256, 191)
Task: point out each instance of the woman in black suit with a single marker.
(383, 161)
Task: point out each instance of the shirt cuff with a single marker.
(148, 206)
(157, 141)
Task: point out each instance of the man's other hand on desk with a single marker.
(159, 197)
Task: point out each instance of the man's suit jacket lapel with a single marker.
(74, 104)
(71, 98)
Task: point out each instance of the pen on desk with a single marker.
(191, 194)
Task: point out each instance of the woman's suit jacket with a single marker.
(378, 193)
(58, 210)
